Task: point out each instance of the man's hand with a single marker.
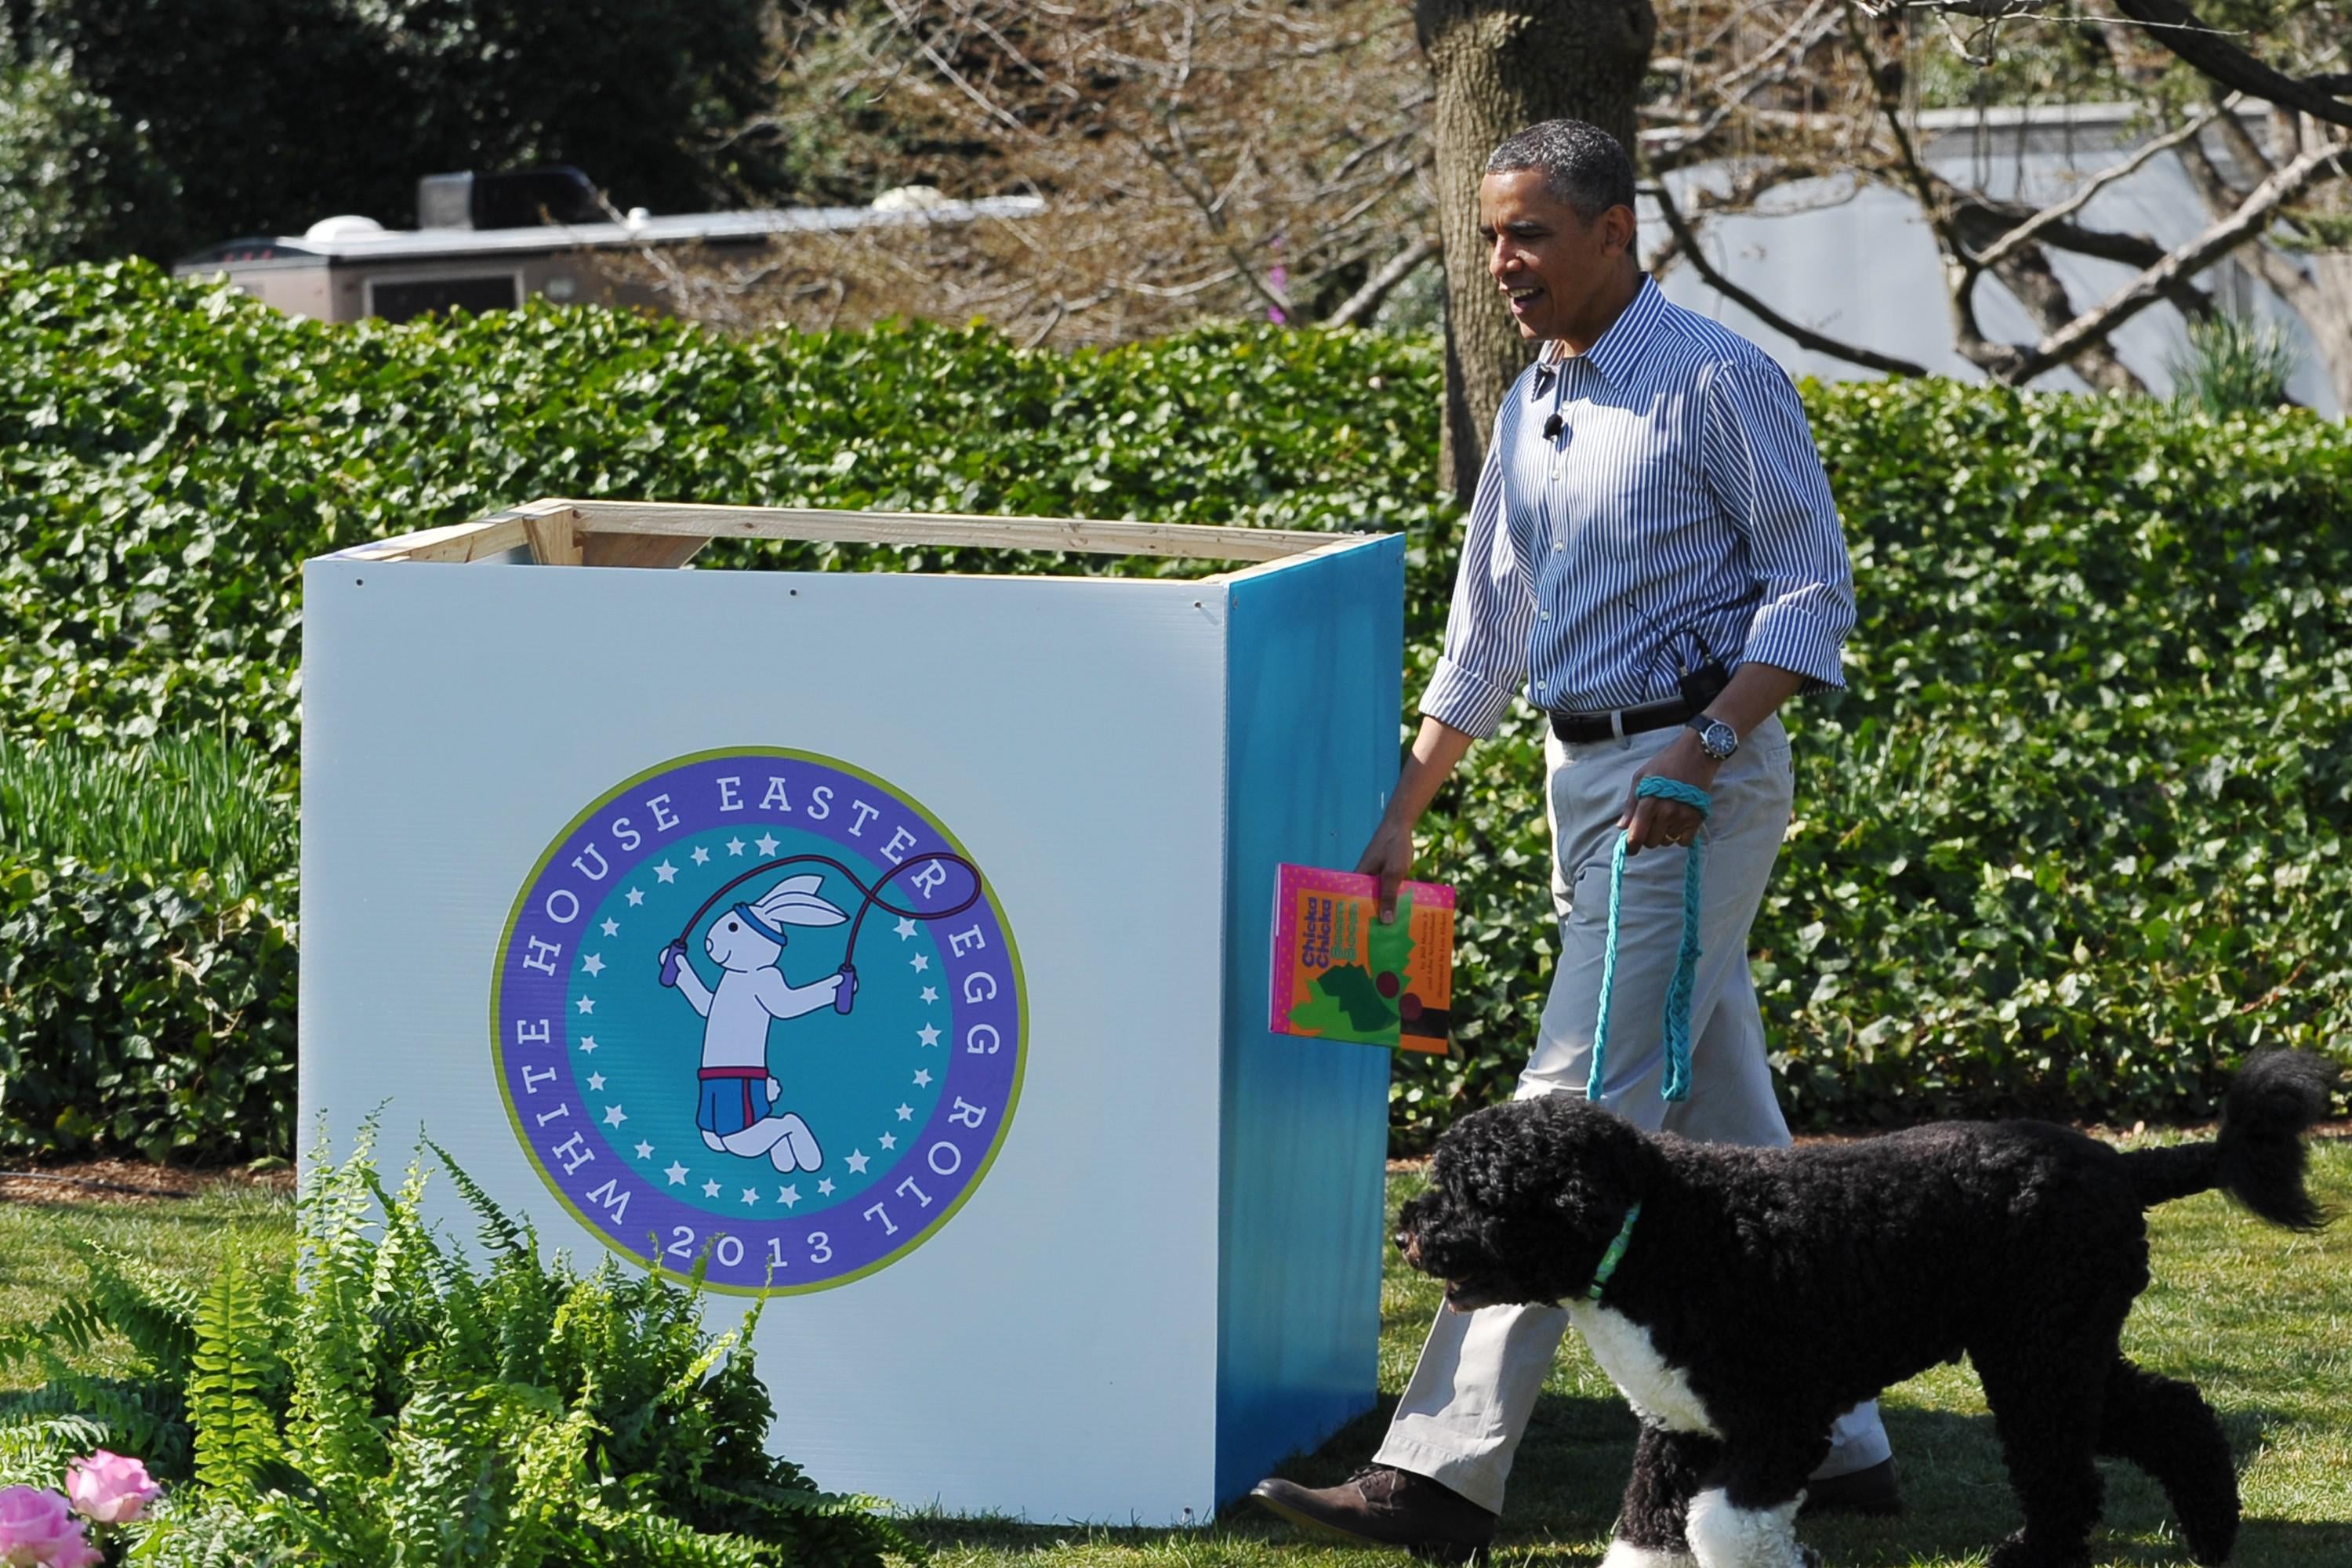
(1435, 750)
(1388, 856)
(1654, 819)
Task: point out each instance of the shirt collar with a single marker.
(1620, 347)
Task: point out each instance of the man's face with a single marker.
(1550, 262)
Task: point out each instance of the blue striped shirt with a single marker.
(1681, 513)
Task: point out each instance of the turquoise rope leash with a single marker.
(1675, 1027)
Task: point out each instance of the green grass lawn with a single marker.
(2260, 1320)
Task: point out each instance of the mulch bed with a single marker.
(129, 1182)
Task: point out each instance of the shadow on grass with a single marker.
(1572, 1468)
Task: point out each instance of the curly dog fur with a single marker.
(1763, 1291)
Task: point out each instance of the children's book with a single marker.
(1341, 974)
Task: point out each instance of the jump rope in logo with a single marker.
(807, 1133)
(747, 945)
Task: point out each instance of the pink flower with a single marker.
(36, 1531)
(109, 1488)
(77, 1553)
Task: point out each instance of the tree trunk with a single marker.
(1498, 65)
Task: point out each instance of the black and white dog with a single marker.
(1741, 1299)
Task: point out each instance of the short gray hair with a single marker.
(1583, 165)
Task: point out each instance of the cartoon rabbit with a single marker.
(746, 942)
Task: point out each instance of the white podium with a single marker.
(893, 945)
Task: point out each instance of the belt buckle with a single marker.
(1617, 725)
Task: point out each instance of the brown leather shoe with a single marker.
(1381, 1505)
(1864, 1491)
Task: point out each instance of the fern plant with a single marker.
(142, 1410)
(236, 1366)
(381, 1397)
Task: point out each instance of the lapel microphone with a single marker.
(1553, 427)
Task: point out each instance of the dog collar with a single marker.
(1614, 1255)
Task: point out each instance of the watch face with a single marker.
(1719, 740)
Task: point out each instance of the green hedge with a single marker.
(2070, 843)
(142, 1015)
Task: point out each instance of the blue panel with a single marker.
(1315, 673)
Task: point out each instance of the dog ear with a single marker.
(1597, 1163)
(1595, 1206)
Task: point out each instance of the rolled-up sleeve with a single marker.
(1766, 473)
(1483, 663)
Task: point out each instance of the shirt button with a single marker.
(1543, 614)
(1557, 549)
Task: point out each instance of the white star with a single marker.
(858, 1161)
(595, 1081)
(906, 929)
(734, 847)
(701, 855)
(930, 994)
(824, 1188)
(767, 843)
(889, 1141)
(906, 1114)
(594, 964)
(677, 1174)
(921, 962)
(929, 1035)
(645, 1150)
(614, 1116)
(612, 927)
(635, 898)
(710, 1189)
(751, 1194)
(587, 1004)
(787, 1197)
(923, 1079)
(588, 1045)
(666, 873)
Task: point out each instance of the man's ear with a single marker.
(1617, 229)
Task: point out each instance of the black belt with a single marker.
(1581, 728)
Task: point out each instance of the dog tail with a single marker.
(2258, 1157)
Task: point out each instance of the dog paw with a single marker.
(2022, 1552)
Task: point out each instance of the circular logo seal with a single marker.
(756, 1010)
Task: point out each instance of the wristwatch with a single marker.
(1716, 737)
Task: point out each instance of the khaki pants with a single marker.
(1463, 1414)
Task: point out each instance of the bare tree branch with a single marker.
(2247, 152)
(2252, 216)
(2177, 27)
(1695, 254)
(2283, 277)
(1186, 148)
(1359, 307)
(2091, 187)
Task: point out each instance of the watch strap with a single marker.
(1705, 727)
